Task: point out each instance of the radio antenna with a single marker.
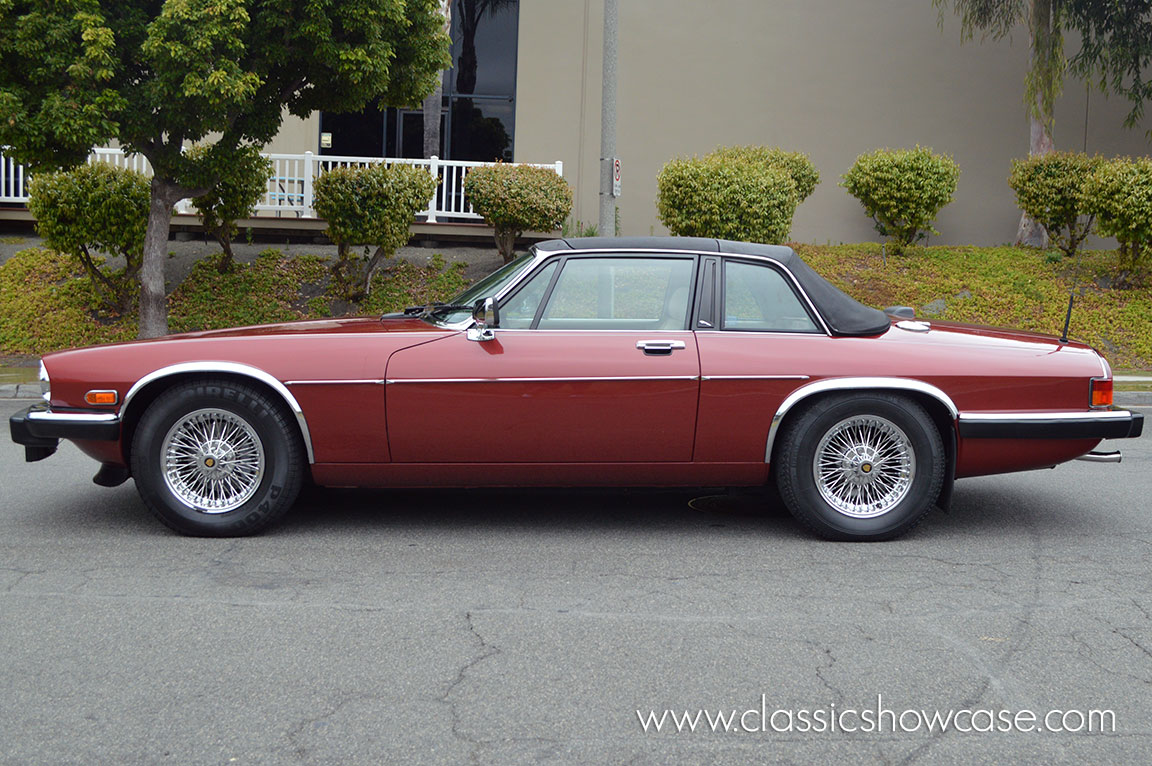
(1067, 317)
(1071, 297)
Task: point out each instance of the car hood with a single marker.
(307, 327)
(343, 326)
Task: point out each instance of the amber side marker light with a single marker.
(1101, 393)
(101, 397)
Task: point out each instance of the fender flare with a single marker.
(853, 384)
(228, 368)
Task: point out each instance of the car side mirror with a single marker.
(486, 315)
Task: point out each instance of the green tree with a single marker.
(154, 75)
(1116, 48)
(995, 19)
(233, 196)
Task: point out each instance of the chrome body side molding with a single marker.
(606, 379)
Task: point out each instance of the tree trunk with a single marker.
(373, 264)
(153, 303)
(432, 122)
(1040, 142)
(505, 242)
(434, 103)
(1031, 233)
(228, 261)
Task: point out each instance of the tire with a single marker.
(860, 467)
(217, 458)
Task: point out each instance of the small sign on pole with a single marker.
(615, 176)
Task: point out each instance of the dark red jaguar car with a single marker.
(602, 362)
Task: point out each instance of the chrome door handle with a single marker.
(659, 347)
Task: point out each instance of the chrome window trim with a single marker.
(49, 416)
(758, 333)
(233, 368)
(590, 379)
(847, 384)
(541, 256)
(1069, 417)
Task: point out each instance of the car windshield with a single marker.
(489, 285)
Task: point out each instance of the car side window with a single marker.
(620, 293)
(518, 311)
(758, 297)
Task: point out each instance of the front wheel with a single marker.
(860, 467)
(216, 458)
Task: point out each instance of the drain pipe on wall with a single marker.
(607, 225)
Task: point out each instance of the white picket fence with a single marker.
(290, 187)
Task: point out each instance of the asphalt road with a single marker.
(517, 627)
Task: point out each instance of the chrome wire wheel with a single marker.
(213, 460)
(864, 466)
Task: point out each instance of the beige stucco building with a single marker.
(832, 78)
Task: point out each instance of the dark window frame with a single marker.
(722, 288)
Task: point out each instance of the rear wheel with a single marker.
(860, 467)
(217, 458)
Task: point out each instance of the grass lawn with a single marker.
(45, 301)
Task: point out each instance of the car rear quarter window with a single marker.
(758, 297)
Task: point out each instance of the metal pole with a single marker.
(608, 122)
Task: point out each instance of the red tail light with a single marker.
(1102, 393)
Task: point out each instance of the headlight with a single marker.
(45, 384)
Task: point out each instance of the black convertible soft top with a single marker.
(843, 314)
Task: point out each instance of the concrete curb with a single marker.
(20, 391)
(31, 391)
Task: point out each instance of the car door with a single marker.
(759, 340)
(592, 362)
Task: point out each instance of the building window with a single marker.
(478, 112)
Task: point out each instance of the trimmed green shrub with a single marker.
(1119, 193)
(517, 198)
(234, 196)
(92, 208)
(1050, 189)
(370, 206)
(726, 197)
(902, 190)
(804, 173)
